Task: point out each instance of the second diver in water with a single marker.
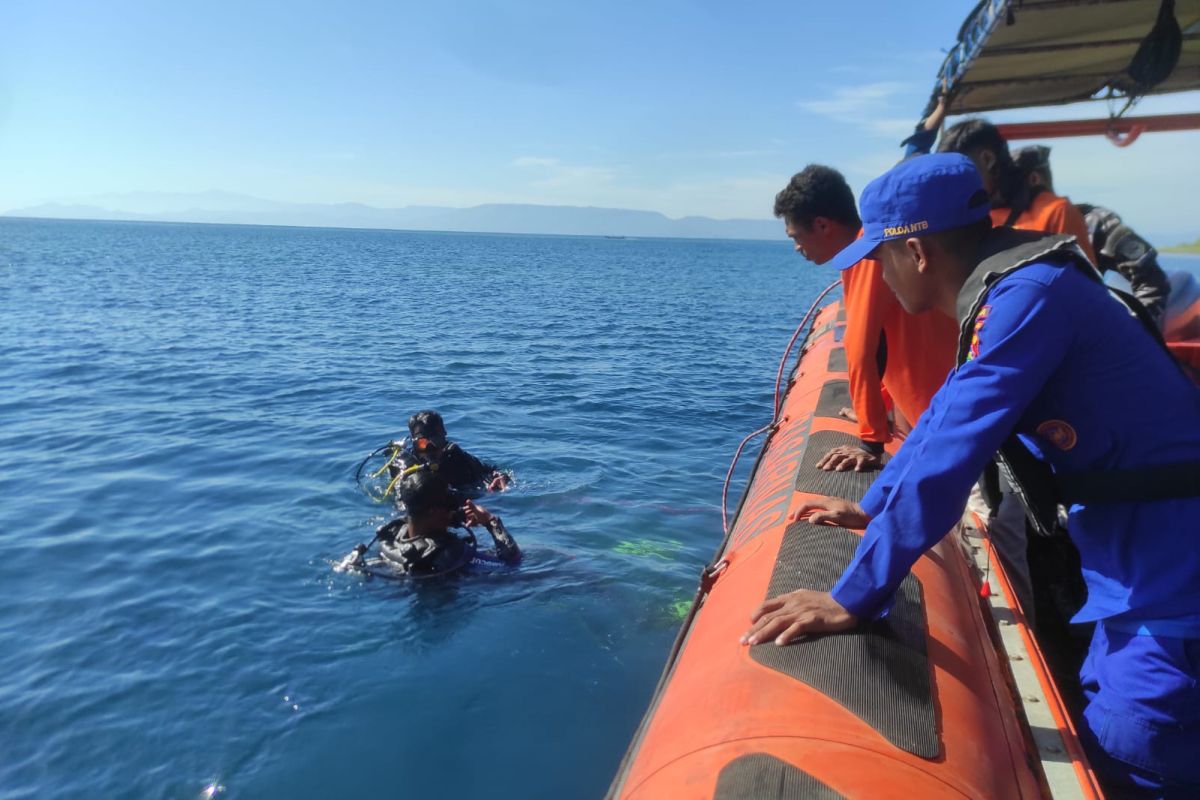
(430, 445)
(422, 543)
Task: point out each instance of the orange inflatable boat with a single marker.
(946, 698)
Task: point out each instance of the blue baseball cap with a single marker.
(926, 194)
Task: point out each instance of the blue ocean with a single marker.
(183, 407)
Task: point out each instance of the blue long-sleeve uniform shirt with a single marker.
(1086, 388)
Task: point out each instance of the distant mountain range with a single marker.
(228, 208)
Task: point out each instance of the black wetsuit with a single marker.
(1119, 248)
(463, 471)
(446, 552)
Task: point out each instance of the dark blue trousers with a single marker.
(1142, 723)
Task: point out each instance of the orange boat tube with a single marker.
(918, 705)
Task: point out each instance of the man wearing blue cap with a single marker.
(1045, 364)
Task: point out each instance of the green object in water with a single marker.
(680, 609)
(648, 548)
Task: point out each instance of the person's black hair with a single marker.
(975, 134)
(817, 191)
(427, 422)
(425, 490)
(1035, 158)
(972, 134)
(965, 238)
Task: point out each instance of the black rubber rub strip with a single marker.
(838, 328)
(880, 671)
(759, 776)
(837, 360)
(835, 395)
(850, 485)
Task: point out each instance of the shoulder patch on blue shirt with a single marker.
(980, 318)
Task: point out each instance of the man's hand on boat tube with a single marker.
(850, 457)
(833, 511)
(789, 616)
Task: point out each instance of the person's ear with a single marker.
(918, 250)
(820, 225)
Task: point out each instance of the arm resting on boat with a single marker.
(795, 614)
(861, 457)
(921, 493)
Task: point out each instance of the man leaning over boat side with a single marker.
(1049, 355)
(1016, 204)
(910, 354)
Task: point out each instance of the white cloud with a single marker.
(895, 127)
(870, 107)
(851, 103)
(534, 161)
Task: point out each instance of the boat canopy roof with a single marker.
(1022, 53)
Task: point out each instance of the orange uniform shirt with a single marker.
(1049, 213)
(920, 351)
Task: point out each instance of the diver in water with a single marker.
(461, 470)
(422, 544)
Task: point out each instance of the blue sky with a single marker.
(680, 107)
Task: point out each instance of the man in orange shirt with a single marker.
(885, 345)
(1013, 203)
(1117, 246)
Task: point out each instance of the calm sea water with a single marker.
(182, 409)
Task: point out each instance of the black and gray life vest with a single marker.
(426, 556)
(1040, 490)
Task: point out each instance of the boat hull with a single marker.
(917, 705)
